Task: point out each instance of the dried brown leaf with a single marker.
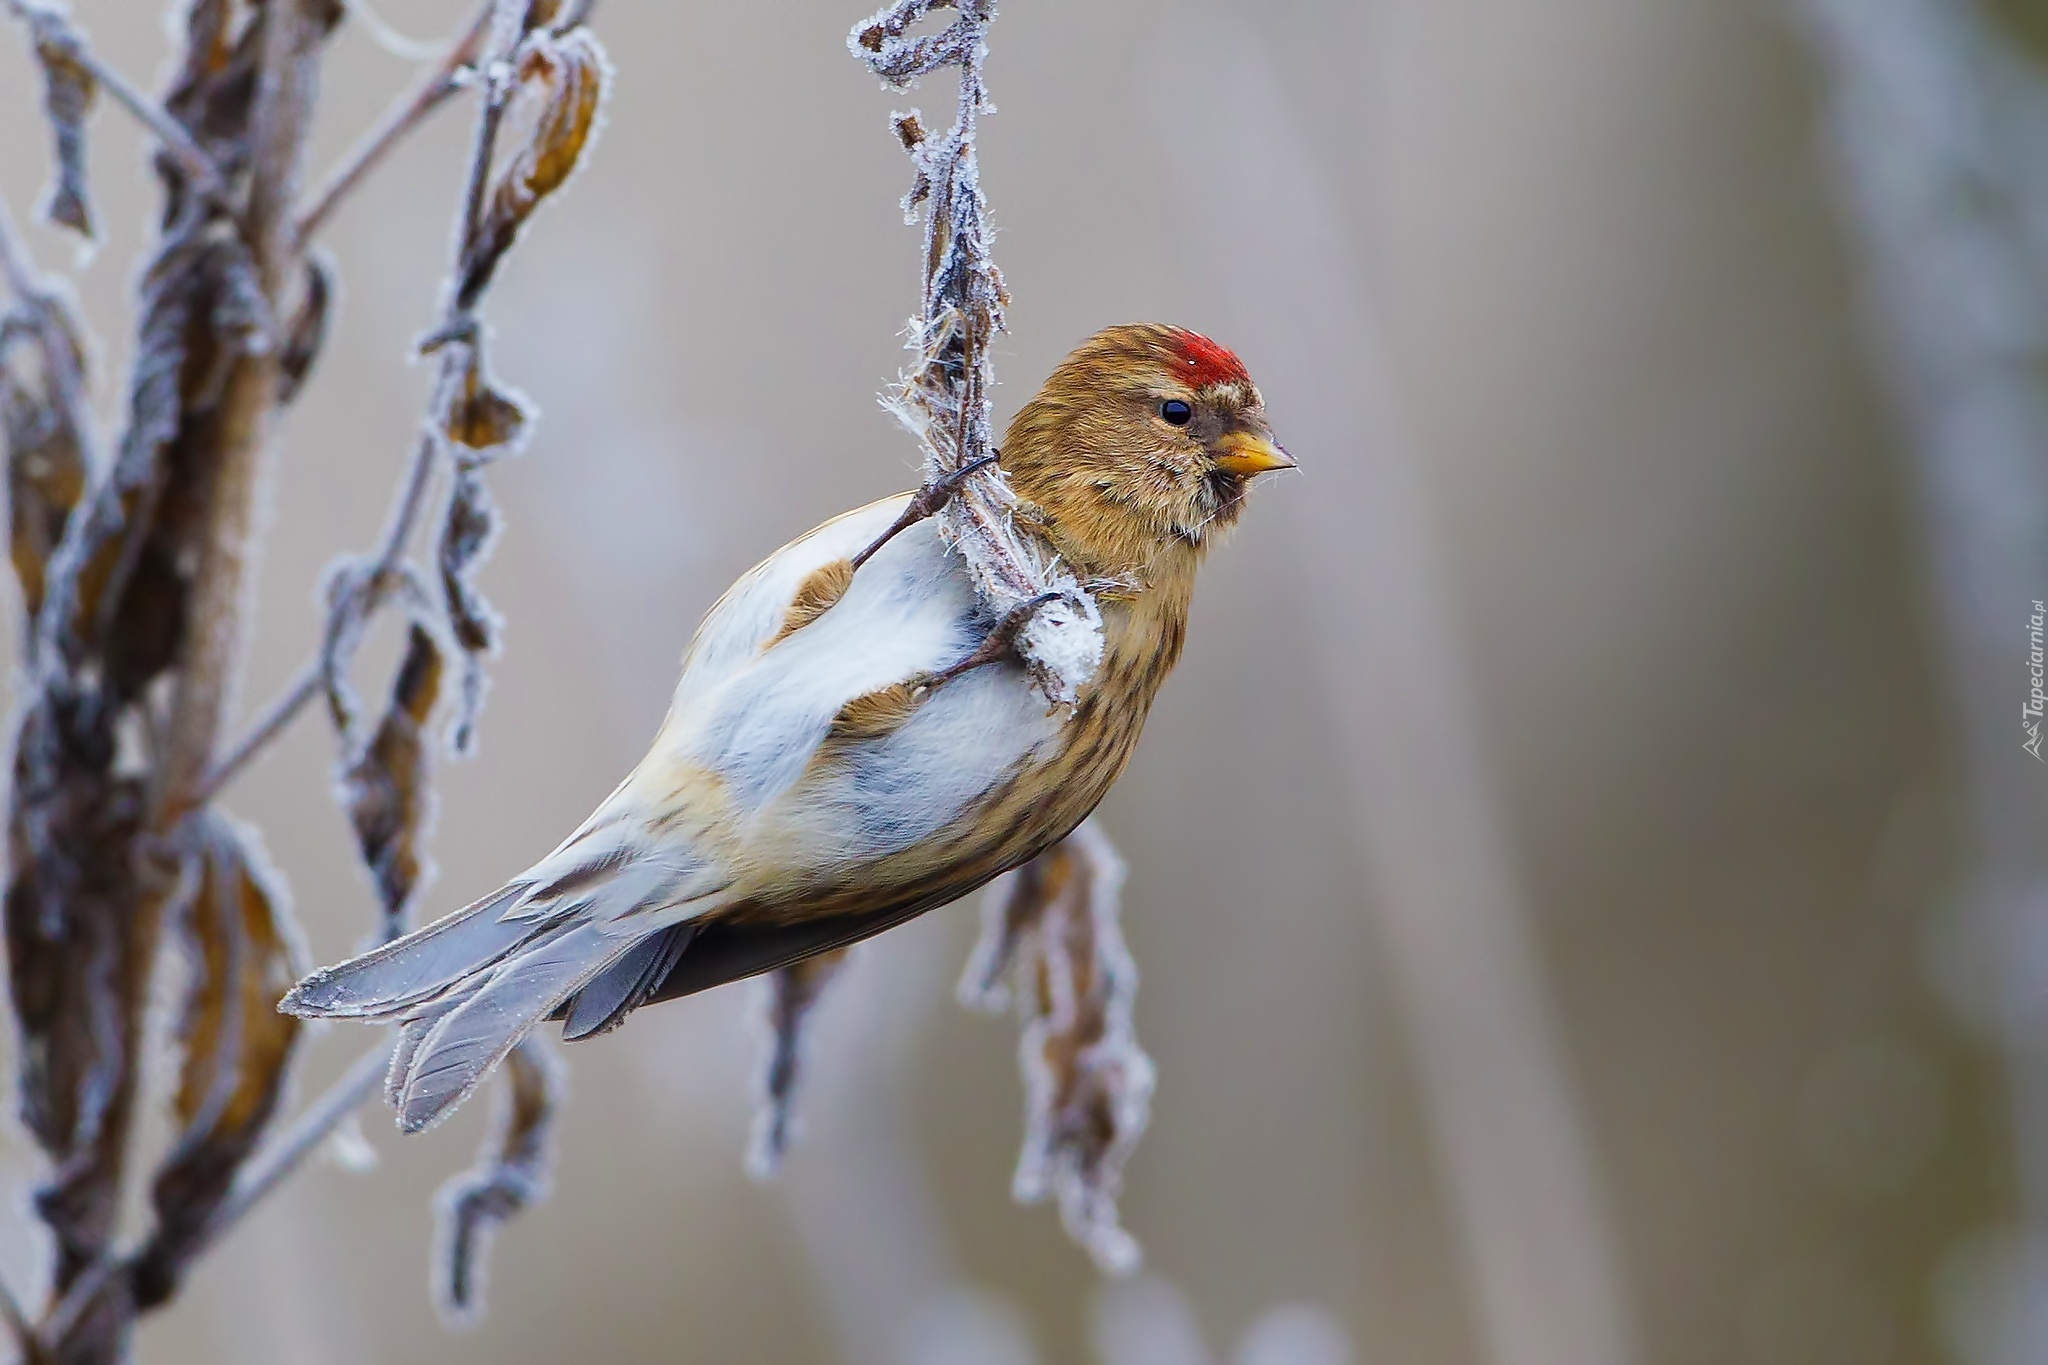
(1051, 944)
(511, 1174)
(559, 85)
(244, 954)
(791, 996)
(385, 787)
(45, 455)
(68, 91)
(76, 944)
(479, 416)
(201, 313)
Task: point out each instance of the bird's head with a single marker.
(1139, 447)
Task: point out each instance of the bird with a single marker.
(848, 745)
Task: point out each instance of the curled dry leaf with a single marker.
(478, 416)
(75, 953)
(68, 91)
(243, 954)
(385, 787)
(511, 1174)
(466, 535)
(201, 313)
(306, 333)
(790, 995)
(559, 81)
(45, 453)
(1051, 944)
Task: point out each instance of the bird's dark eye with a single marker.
(1176, 412)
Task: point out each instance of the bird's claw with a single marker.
(999, 643)
(926, 502)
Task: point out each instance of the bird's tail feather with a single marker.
(393, 979)
(625, 985)
(473, 1028)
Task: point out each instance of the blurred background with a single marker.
(1585, 874)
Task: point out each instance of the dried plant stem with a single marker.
(408, 113)
(489, 37)
(289, 1151)
(284, 100)
(192, 159)
(307, 685)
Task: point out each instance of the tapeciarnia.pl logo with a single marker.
(2037, 700)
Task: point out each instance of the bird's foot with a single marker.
(999, 643)
(926, 502)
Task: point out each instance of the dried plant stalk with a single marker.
(1051, 945)
(944, 398)
(135, 576)
(511, 1173)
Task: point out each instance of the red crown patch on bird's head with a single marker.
(1207, 363)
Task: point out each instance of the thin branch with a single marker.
(406, 114)
(288, 1152)
(56, 28)
(277, 717)
(59, 1321)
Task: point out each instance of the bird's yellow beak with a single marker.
(1244, 454)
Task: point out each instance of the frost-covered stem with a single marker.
(287, 82)
(192, 159)
(278, 716)
(408, 113)
(944, 398)
(286, 1153)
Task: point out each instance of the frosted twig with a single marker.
(943, 399)
(53, 26)
(288, 1152)
(372, 591)
(411, 110)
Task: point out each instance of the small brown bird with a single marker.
(827, 767)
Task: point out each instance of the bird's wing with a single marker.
(800, 729)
